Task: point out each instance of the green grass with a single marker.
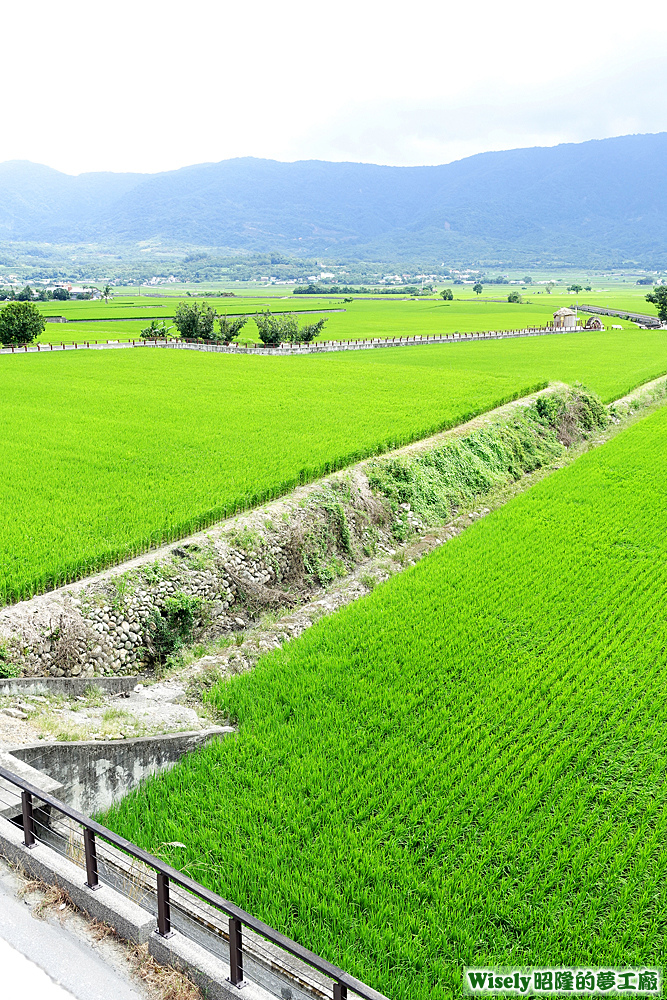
(467, 766)
(105, 453)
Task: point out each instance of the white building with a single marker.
(565, 319)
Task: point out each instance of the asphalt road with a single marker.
(40, 957)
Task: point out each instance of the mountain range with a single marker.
(602, 201)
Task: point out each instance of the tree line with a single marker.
(21, 323)
(200, 321)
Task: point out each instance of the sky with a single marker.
(146, 86)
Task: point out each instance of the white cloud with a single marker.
(148, 86)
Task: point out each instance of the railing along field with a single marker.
(323, 346)
(174, 897)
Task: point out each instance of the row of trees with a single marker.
(448, 295)
(22, 322)
(200, 321)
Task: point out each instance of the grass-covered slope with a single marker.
(467, 766)
(104, 453)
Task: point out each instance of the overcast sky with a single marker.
(147, 86)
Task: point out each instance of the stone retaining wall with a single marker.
(105, 628)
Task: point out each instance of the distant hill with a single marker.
(603, 201)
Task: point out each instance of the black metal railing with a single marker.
(86, 851)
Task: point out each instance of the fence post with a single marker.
(235, 951)
(91, 859)
(163, 907)
(340, 991)
(28, 820)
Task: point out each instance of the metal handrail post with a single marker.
(28, 820)
(93, 881)
(235, 951)
(163, 906)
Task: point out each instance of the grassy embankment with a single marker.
(467, 766)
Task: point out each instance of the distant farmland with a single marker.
(466, 767)
(365, 317)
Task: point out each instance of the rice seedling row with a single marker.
(103, 454)
(465, 768)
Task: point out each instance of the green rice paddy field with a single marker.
(103, 454)
(124, 318)
(467, 767)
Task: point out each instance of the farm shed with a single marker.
(565, 319)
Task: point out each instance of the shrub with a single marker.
(173, 627)
(195, 321)
(7, 667)
(514, 297)
(156, 330)
(20, 323)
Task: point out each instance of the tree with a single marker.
(309, 331)
(447, 294)
(106, 292)
(549, 286)
(283, 328)
(658, 298)
(20, 323)
(25, 295)
(514, 297)
(230, 328)
(61, 294)
(195, 321)
(276, 329)
(575, 288)
(478, 288)
(527, 280)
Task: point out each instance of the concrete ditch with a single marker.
(66, 686)
(93, 775)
